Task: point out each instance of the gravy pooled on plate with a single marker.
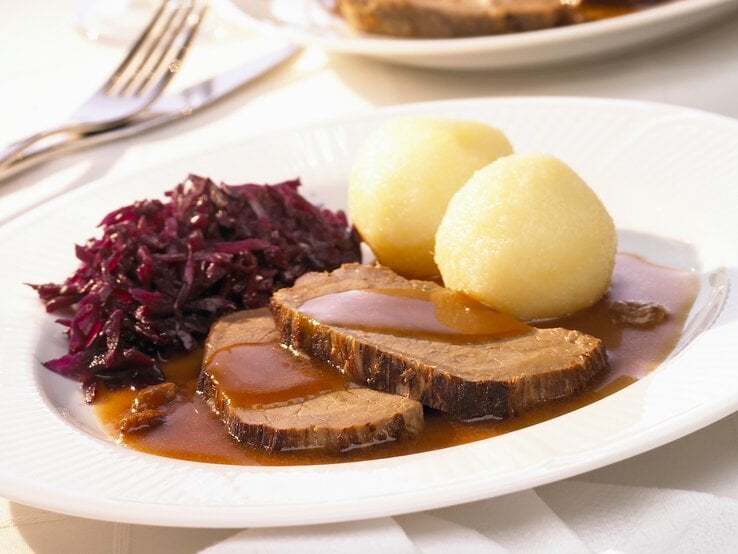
(192, 432)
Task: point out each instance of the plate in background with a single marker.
(307, 22)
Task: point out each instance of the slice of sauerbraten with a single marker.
(454, 18)
(466, 375)
(271, 398)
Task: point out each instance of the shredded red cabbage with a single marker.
(163, 272)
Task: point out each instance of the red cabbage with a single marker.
(163, 272)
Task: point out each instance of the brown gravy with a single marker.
(441, 315)
(592, 10)
(263, 375)
(192, 432)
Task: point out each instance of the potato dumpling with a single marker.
(527, 236)
(402, 179)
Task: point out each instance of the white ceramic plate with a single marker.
(306, 22)
(666, 174)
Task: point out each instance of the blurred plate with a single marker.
(667, 176)
(307, 22)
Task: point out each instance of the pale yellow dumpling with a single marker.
(402, 179)
(527, 236)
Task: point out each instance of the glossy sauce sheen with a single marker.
(192, 432)
(592, 10)
(266, 375)
(434, 315)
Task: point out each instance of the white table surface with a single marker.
(47, 67)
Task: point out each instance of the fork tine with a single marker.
(142, 39)
(171, 57)
(106, 108)
(160, 42)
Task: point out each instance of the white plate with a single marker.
(666, 174)
(306, 22)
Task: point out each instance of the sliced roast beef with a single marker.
(454, 18)
(497, 378)
(333, 420)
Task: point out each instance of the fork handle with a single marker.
(41, 147)
(16, 152)
(35, 153)
(13, 153)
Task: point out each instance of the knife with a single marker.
(166, 109)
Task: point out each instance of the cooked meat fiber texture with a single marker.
(498, 378)
(454, 18)
(334, 421)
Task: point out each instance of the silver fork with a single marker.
(141, 77)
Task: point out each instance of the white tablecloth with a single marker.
(680, 497)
